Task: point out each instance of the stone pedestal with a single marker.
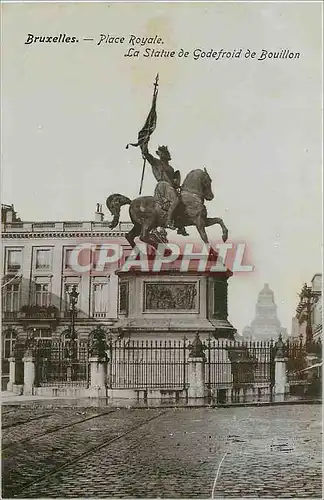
(196, 378)
(281, 382)
(12, 374)
(98, 376)
(173, 303)
(29, 374)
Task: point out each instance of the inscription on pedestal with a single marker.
(171, 296)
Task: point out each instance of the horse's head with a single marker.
(206, 186)
(198, 181)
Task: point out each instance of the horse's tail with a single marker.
(114, 203)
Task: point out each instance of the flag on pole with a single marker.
(150, 124)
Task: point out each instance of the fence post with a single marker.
(98, 363)
(196, 370)
(12, 373)
(281, 382)
(98, 376)
(29, 373)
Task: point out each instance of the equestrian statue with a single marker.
(174, 205)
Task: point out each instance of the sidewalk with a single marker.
(9, 398)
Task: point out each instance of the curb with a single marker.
(87, 404)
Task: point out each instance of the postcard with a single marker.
(161, 249)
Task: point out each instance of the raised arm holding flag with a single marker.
(167, 189)
(148, 129)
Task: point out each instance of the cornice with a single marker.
(61, 235)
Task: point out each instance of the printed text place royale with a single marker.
(132, 40)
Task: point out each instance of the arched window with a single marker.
(9, 340)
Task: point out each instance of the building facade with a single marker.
(309, 311)
(38, 277)
(265, 325)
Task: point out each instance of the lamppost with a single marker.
(306, 301)
(30, 342)
(73, 337)
(73, 302)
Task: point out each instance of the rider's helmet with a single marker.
(163, 151)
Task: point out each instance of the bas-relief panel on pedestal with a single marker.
(171, 296)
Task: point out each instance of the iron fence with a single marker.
(62, 363)
(163, 365)
(297, 362)
(148, 364)
(231, 364)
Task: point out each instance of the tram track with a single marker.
(7, 412)
(16, 492)
(54, 429)
(22, 422)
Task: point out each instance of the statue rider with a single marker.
(167, 190)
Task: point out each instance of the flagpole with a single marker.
(144, 162)
(142, 178)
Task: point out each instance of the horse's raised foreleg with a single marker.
(135, 231)
(201, 230)
(217, 220)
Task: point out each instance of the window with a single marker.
(42, 294)
(67, 258)
(74, 257)
(42, 334)
(43, 258)
(67, 291)
(99, 256)
(14, 260)
(9, 343)
(100, 299)
(11, 297)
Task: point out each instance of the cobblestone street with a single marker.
(57, 451)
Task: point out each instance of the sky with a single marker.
(68, 110)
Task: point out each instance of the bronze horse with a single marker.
(147, 213)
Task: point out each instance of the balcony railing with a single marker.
(43, 312)
(10, 314)
(13, 268)
(100, 315)
(38, 312)
(44, 225)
